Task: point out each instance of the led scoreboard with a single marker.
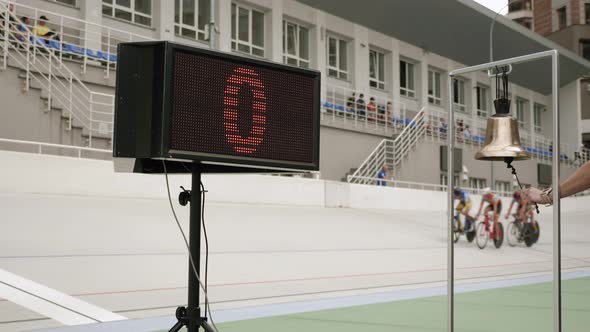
(229, 113)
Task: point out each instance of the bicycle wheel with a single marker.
(531, 236)
(499, 238)
(512, 234)
(537, 233)
(481, 236)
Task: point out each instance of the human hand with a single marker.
(539, 196)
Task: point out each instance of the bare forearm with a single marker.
(579, 181)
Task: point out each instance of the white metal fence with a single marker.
(76, 39)
(43, 66)
(366, 111)
(54, 149)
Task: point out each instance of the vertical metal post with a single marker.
(450, 244)
(6, 32)
(36, 21)
(49, 85)
(61, 35)
(90, 123)
(85, 59)
(556, 204)
(108, 53)
(70, 105)
(193, 309)
(28, 65)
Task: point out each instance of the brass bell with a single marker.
(502, 138)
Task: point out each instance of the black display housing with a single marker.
(170, 106)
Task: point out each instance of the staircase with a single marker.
(47, 67)
(391, 152)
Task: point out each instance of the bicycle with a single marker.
(485, 231)
(519, 231)
(457, 231)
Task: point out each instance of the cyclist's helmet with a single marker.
(487, 191)
(517, 195)
(456, 191)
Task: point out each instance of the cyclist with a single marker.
(463, 208)
(522, 210)
(494, 205)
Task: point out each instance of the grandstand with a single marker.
(317, 245)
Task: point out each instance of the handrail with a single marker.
(397, 148)
(40, 146)
(87, 37)
(57, 79)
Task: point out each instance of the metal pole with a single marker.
(556, 204)
(193, 310)
(450, 244)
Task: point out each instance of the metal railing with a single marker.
(54, 149)
(471, 131)
(89, 109)
(79, 40)
(374, 113)
(391, 152)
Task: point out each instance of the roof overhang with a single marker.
(460, 30)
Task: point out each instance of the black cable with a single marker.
(509, 165)
(206, 246)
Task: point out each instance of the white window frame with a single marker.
(434, 94)
(477, 183)
(503, 186)
(444, 179)
(407, 91)
(375, 81)
(301, 61)
(114, 6)
(236, 42)
(521, 104)
(537, 115)
(482, 111)
(340, 73)
(461, 95)
(180, 25)
(75, 5)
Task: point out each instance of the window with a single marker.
(503, 187)
(585, 48)
(537, 114)
(587, 12)
(434, 88)
(295, 44)
(444, 177)
(561, 18)
(247, 30)
(337, 58)
(191, 18)
(136, 11)
(520, 111)
(477, 183)
(406, 79)
(376, 69)
(459, 95)
(482, 101)
(66, 2)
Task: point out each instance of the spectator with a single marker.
(42, 30)
(443, 126)
(383, 175)
(467, 134)
(381, 113)
(22, 28)
(578, 154)
(459, 133)
(350, 102)
(371, 109)
(360, 105)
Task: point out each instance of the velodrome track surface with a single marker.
(125, 254)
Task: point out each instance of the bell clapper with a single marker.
(508, 162)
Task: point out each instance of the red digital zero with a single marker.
(240, 77)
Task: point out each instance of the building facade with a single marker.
(351, 58)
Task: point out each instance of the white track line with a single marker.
(49, 302)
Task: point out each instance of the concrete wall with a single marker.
(341, 150)
(39, 174)
(423, 166)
